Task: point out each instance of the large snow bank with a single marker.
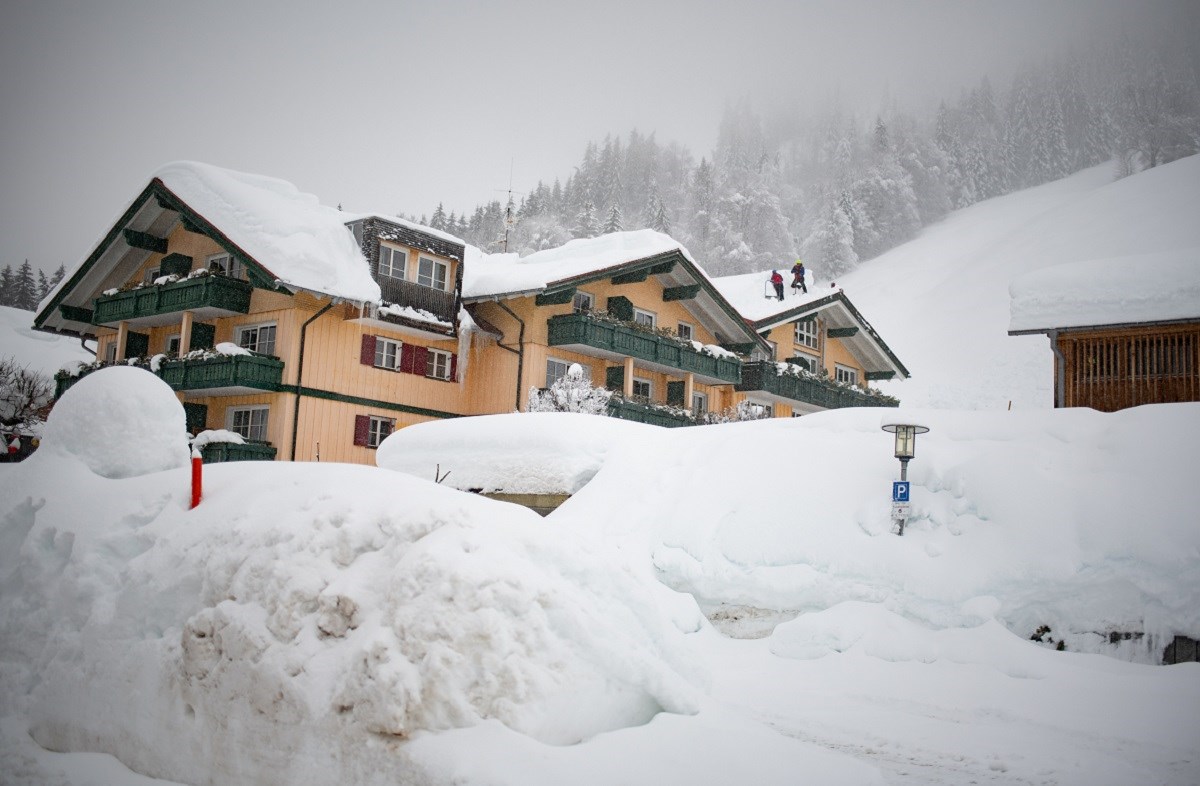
(493, 274)
(1074, 519)
(519, 453)
(120, 422)
(305, 617)
(304, 243)
(1143, 288)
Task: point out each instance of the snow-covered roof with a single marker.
(297, 241)
(754, 297)
(403, 222)
(490, 275)
(1127, 290)
(290, 233)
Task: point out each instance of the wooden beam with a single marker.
(76, 314)
(845, 332)
(635, 277)
(878, 375)
(558, 298)
(662, 268)
(685, 292)
(146, 242)
(190, 226)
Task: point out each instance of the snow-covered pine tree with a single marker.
(7, 287)
(613, 222)
(438, 220)
(25, 288)
(572, 392)
(585, 222)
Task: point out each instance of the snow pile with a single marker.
(754, 298)
(283, 629)
(215, 436)
(229, 348)
(494, 274)
(1072, 519)
(120, 422)
(301, 242)
(526, 453)
(1143, 288)
(416, 314)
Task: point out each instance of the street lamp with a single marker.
(906, 450)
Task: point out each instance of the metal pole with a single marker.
(903, 476)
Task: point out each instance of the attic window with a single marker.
(432, 274)
(226, 265)
(392, 262)
(807, 334)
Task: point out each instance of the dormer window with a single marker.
(807, 333)
(226, 265)
(392, 262)
(432, 274)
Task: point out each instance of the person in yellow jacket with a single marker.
(798, 277)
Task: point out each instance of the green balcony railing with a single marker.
(628, 409)
(226, 371)
(218, 452)
(217, 292)
(765, 376)
(626, 340)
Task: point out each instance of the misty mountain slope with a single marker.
(941, 300)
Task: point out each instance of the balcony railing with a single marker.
(765, 376)
(218, 452)
(626, 340)
(226, 371)
(240, 372)
(628, 409)
(408, 293)
(219, 293)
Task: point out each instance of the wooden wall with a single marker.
(1114, 369)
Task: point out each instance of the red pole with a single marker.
(197, 480)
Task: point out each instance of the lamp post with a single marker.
(906, 450)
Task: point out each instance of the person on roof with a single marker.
(798, 277)
(777, 282)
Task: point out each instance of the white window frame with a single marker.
(437, 364)
(551, 369)
(430, 279)
(808, 333)
(375, 433)
(110, 351)
(699, 403)
(228, 265)
(686, 327)
(388, 266)
(178, 339)
(382, 345)
(774, 351)
(649, 394)
(255, 432)
(583, 302)
(845, 374)
(640, 315)
(241, 341)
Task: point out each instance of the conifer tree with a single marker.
(613, 223)
(24, 288)
(7, 286)
(585, 222)
(438, 220)
(43, 285)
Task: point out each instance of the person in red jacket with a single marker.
(777, 282)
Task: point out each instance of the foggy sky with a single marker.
(395, 106)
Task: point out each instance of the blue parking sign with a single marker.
(900, 491)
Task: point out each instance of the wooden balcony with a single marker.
(639, 412)
(407, 293)
(618, 340)
(220, 452)
(208, 296)
(764, 376)
(225, 375)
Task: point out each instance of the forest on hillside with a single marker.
(836, 188)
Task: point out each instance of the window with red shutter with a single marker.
(454, 368)
(406, 359)
(362, 429)
(366, 355)
(420, 360)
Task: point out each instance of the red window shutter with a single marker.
(454, 368)
(367, 355)
(362, 429)
(420, 359)
(406, 358)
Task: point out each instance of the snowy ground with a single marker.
(39, 351)
(715, 605)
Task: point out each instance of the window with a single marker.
(685, 331)
(583, 302)
(699, 403)
(643, 388)
(774, 350)
(646, 318)
(801, 362)
(557, 369)
(110, 351)
(356, 229)
(432, 274)
(757, 410)
(806, 333)
(257, 338)
(387, 353)
(250, 422)
(437, 364)
(845, 374)
(173, 344)
(151, 274)
(226, 265)
(378, 430)
(392, 262)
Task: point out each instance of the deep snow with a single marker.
(331, 623)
